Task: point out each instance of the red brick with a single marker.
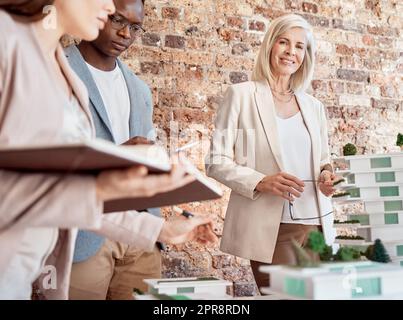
(316, 21)
(196, 43)
(151, 39)
(269, 13)
(319, 85)
(240, 48)
(349, 62)
(190, 115)
(169, 99)
(345, 50)
(170, 13)
(222, 261)
(374, 6)
(336, 87)
(309, 7)
(293, 5)
(386, 104)
(354, 88)
(352, 75)
(229, 34)
(373, 64)
(150, 67)
(235, 22)
(382, 31)
(237, 77)
(257, 26)
(334, 112)
(194, 72)
(172, 41)
(368, 40)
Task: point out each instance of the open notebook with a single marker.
(96, 155)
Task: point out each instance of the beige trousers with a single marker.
(283, 253)
(114, 272)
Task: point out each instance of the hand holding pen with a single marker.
(186, 146)
(203, 233)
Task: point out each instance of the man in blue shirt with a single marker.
(121, 105)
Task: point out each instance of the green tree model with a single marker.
(347, 254)
(399, 140)
(349, 150)
(303, 258)
(316, 242)
(377, 252)
(326, 254)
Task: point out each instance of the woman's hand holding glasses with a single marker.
(283, 185)
(326, 181)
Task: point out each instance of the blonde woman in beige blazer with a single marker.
(266, 130)
(42, 101)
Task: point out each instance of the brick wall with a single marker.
(194, 49)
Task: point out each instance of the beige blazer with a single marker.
(244, 149)
(31, 112)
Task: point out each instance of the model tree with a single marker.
(349, 149)
(347, 254)
(399, 140)
(326, 254)
(377, 252)
(316, 242)
(303, 258)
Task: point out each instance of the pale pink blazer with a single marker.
(31, 112)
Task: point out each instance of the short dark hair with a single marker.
(27, 8)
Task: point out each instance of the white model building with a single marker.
(377, 182)
(176, 286)
(337, 280)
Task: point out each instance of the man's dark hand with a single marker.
(137, 140)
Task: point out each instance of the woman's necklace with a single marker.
(283, 93)
(288, 94)
(291, 95)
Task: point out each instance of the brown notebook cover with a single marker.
(96, 155)
(200, 189)
(85, 157)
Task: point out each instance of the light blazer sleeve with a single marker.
(220, 162)
(325, 155)
(139, 229)
(71, 203)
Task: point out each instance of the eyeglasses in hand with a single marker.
(291, 208)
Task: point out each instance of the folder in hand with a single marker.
(96, 155)
(84, 157)
(200, 189)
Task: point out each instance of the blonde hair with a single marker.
(301, 79)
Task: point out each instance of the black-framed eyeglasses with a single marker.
(118, 22)
(291, 208)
